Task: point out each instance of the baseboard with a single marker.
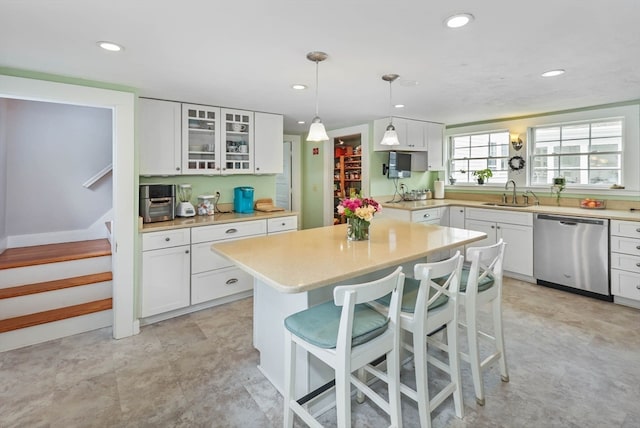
(626, 302)
(3, 244)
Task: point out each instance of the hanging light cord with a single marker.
(390, 103)
(316, 88)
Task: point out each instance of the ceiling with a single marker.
(247, 54)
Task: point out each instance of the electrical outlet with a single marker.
(217, 193)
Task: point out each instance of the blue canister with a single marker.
(243, 199)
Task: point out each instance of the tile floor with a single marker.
(573, 362)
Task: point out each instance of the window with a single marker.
(588, 153)
(472, 152)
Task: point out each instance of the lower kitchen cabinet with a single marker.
(515, 228)
(219, 283)
(166, 270)
(625, 261)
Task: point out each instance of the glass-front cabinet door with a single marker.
(201, 152)
(237, 137)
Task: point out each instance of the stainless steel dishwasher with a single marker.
(572, 253)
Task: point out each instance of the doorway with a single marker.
(352, 169)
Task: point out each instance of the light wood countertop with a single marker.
(546, 209)
(207, 220)
(300, 261)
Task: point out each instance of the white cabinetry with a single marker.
(237, 142)
(625, 261)
(201, 148)
(214, 276)
(165, 271)
(282, 224)
(425, 216)
(515, 228)
(268, 143)
(160, 137)
(414, 136)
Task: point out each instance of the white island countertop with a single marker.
(305, 260)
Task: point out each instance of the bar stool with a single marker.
(426, 307)
(348, 334)
(481, 285)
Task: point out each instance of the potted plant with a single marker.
(482, 175)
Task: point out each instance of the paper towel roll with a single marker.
(438, 187)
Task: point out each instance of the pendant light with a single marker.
(316, 130)
(390, 137)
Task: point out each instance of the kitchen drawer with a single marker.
(625, 228)
(220, 283)
(500, 216)
(282, 224)
(204, 259)
(165, 239)
(625, 245)
(625, 284)
(625, 262)
(426, 216)
(228, 231)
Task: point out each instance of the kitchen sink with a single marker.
(496, 204)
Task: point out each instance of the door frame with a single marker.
(125, 180)
(296, 172)
(363, 130)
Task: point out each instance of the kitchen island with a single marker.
(296, 270)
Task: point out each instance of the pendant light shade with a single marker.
(316, 130)
(390, 137)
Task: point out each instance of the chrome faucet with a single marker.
(514, 199)
(537, 202)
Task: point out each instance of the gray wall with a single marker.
(51, 150)
(3, 174)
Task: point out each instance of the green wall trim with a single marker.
(38, 75)
(551, 113)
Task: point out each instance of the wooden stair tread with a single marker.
(52, 253)
(59, 284)
(31, 320)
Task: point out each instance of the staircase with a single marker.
(52, 291)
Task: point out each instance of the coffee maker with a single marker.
(185, 208)
(243, 199)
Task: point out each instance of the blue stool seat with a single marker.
(410, 295)
(483, 284)
(319, 324)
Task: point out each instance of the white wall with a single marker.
(3, 174)
(52, 149)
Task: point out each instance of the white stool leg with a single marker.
(454, 367)
(289, 378)
(474, 356)
(498, 331)
(393, 373)
(343, 396)
(422, 386)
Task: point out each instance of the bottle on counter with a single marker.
(429, 195)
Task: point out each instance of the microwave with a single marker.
(157, 202)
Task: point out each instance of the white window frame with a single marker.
(450, 159)
(591, 122)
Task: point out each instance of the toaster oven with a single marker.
(157, 202)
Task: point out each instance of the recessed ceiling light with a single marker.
(408, 83)
(299, 86)
(458, 20)
(553, 73)
(399, 106)
(110, 46)
(301, 122)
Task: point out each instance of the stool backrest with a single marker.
(485, 262)
(450, 269)
(348, 296)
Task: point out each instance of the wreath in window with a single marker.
(516, 163)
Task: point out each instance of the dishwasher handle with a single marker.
(572, 221)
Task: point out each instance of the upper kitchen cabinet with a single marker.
(160, 137)
(269, 134)
(414, 136)
(201, 148)
(237, 137)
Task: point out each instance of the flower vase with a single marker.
(357, 229)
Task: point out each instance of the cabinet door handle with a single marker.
(638, 287)
(282, 224)
(186, 251)
(638, 264)
(231, 230)
(257, 168)
(638, 229)
(177, 168)
(493, 227)
(167, 239)
(426, 216)
(637, 247)
(231, 281)
(497, 227)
